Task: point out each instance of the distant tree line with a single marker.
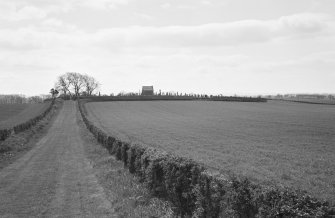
(133, 96)
(22, 99)
(180, 94)
(302, 96)
(73, 85)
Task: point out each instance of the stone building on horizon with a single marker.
(147, 90)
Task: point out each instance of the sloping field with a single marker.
(276, 142)
(13, 114)
(10, 110)
(312, 101)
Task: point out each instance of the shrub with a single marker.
(5, 133)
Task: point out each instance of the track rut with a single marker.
(54, 179)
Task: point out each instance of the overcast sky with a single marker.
(199, 46)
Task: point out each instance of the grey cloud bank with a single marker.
(212, 34)
(42, 39)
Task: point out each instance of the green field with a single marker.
(9, 110)
(312, 101)
(13, 114)
(278, 142)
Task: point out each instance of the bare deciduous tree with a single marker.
(12, 99)
(73, 83)
(35, 99)
(21, 99)
(63, 85)
(77, 82)
(90, 84)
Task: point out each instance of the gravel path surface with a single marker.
(54, 179)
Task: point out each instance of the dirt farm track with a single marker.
(54, 179)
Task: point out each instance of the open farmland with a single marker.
(312, 101)
(277, 142)
(13, 114)
(9, 110)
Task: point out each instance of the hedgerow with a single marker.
(175, 98)
(5, 133)
(196, 192)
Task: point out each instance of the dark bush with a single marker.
(110, 142)
(5, 133)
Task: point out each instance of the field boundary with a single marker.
(305, 102)
(5, 133)
(194, 191)
(175, 98)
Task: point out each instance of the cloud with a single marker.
(202, 59)
(44, 36)
(18, 10)
(304, 23)
(29, 12)
(37, 39)
(208, 35)
(12, 12)
(206, 2)
(55, 25)
(53, 22)
(219, 34)
(144, 16)
(18, 39)
(100, 4)
(165, 5)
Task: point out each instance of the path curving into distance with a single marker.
(54, 179)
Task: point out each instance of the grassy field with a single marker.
(13, 114)
(9, 110)
(312, 101)
(277, 142)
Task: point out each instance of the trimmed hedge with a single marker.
(196, 192)
(5, 133)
